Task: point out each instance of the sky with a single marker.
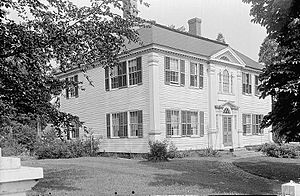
(229, 17)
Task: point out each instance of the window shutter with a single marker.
(250, 83)
(244, 124)
(254, 131)
(201, 124)
(139, 69)
(108, 125)
(200, 76)
(76, 85)
(67, 88)
(140, 123)
(167, 70)
(107, 78)
(182, 72)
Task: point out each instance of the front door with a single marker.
(227, 131)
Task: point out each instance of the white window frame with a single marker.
(192, 129)
(221, 78)
(247, 124)
(172, 123)
(135, 123)
(256, 121)
(247, 81)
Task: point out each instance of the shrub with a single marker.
(158, 151)
(172, 151)
(208, 152)
(280, 151)
(21, 137)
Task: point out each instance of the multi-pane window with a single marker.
(72, 89)
(119, 77)
(136, 123)
(194, 74)
(189, 123)
(257, 83)
(114, 77)
(225, 81)
(135, 71)
(246, 124)
(254, 124)
(247, 83)
(172, 122)
(256, 121)
(172, 70)
(119, 124)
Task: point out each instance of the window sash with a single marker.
(194, 71)
(172, 122)
(119, 124)
(247, 81)
(225, 81)
(136, 123)
(135, 71)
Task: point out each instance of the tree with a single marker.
(267, 51)
(221, 38)
(72, 36)
(281, 76)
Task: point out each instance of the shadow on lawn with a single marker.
(58, 180)
(213, 175)
(280, 171)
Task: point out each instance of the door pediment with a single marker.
(227, 104)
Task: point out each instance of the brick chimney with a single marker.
(130, 7)
(195, 26)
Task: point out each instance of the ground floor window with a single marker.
(172, 122)
(251, 124)
(118, 124)
(184, 123)
(136, 123)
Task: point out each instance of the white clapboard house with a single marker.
(176, 86)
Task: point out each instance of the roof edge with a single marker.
(188, 34)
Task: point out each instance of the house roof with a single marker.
(165, 36)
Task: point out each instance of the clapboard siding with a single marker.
(94, 103)
(183, 98)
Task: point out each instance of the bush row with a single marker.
(280, 151)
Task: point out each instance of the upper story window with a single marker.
(247, 83)
(174, 68)
(257, 83)
(135, 71)
(225, 82)
(72, 89)
(196, 75)
(122, 75)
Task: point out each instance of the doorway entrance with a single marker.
(227, 130)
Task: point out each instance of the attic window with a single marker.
(224, 58)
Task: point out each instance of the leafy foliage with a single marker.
(50, 147)
(280, 151)
(281, 77)
(17, 139)
(158, 151)
(59, 31)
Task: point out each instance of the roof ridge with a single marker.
(188, 34)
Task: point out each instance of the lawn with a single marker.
(109, 176)
(278, 169)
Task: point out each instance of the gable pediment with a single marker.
(227, 55)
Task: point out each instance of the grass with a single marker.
(278, 169)
(111, 176)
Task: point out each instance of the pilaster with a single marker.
(153, 65)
